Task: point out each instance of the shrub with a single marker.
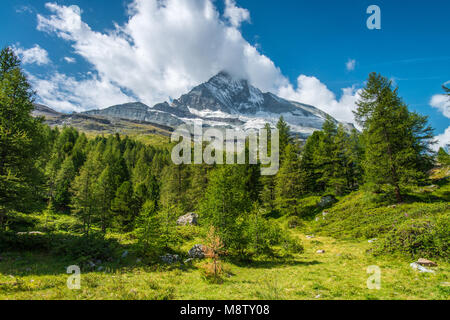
(68, 246)
(419, 238)
(295, 222)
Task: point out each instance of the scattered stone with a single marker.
(310, 237)
(393, 206)
(317, 219)
(426, 263)
(327, 201)
(325, 213)
(420, 268)
(125, 254)
(187, 261)
(320, 251)
(190, 219)
(373, 240)
(318, 296)
(197, 252)
(170, 258)
(29, 233)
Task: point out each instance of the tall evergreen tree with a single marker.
(288, 181)
(396, 140)
(285, 135)
(225, 203)
(85, 204)
(21, 138)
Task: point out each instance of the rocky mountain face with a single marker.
(224, 102)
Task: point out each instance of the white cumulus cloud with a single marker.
(311, 91)
(34, 55)
(70, 59)
(68, 94)
(165, 49)
(442, 103)
(351, 65)
(235, 14)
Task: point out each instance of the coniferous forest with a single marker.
(111, 205)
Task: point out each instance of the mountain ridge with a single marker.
(223, 102)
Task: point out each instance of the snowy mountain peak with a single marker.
(225, 102)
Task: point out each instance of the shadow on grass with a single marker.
(270, 264)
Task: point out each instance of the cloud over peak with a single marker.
(165, 49)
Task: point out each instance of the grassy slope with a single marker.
(340, 273)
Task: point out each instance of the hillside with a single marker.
(340, 272)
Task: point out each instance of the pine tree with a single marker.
(396, 140)
(105, 192)
(21, 138)
(325, 158)
(123, 206)
(443, 157)
(64, 178)
(285, 135)
(84, 201)
(288, 181)
(148, 229)
(225, 203)
(309, 173)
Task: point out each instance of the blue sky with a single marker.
(313, 39)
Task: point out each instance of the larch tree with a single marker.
(396, 140)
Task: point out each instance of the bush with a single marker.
(295, 222)
(419, 238)
(68, 246)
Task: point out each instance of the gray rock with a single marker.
(125, 254)
(426, 263)
(188, 219)
(197, 252)
(327, 201)
(310, 237)
(187, 261)
(420, 268)
(325, 213)
(320, 251)
(373, 240)
(170, 258)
